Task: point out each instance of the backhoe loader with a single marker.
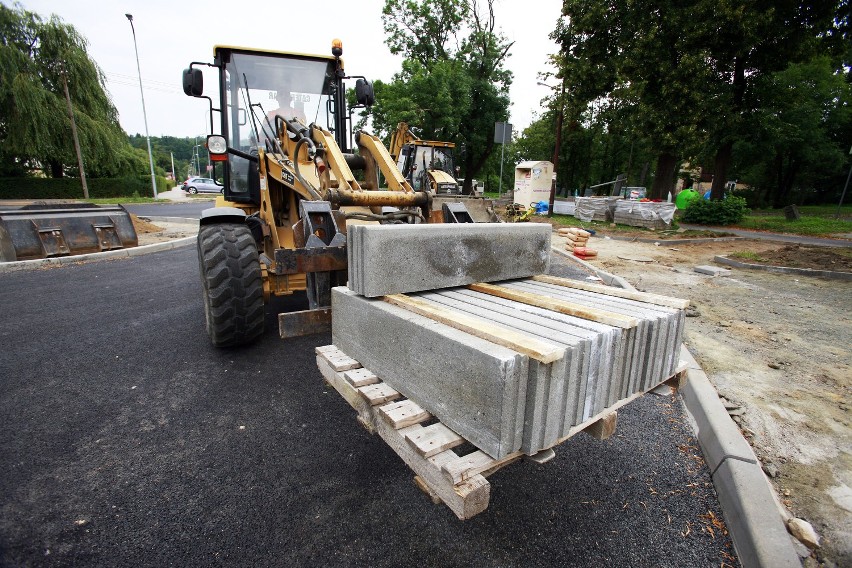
(289, 191)
(431, 164)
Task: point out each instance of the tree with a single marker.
(746, 43)
(645, 55)
(452, 85)
(36, 56)
(689, 71)
(800, 132)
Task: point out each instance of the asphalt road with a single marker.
(127, 440)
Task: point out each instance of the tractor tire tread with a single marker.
(232, 284)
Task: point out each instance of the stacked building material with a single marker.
(387, 259)
(644, 214)
(595, 208)
(514, 365)
(576, 242)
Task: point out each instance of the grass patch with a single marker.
(807, 225)
(747, 255)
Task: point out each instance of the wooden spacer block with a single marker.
(603, 428)
(433, 440)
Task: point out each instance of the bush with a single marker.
(71, 188)
(728, 211)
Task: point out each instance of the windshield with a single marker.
(260, 87)
(273, 85)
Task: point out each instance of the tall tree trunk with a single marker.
(644, 174)
(664, 177)
(785, 184)
(473, 165)
(720, 170)
(724, 153)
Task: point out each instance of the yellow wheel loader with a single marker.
(282, 153)
(430, 164)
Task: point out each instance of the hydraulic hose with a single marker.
(314, 193)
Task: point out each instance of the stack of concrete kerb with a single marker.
(508, 358)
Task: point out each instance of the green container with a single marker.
(685, 197)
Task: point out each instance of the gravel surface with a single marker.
(127, 440)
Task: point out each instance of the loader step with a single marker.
(432, 450)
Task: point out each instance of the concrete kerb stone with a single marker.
(37, 263)
(751, 514)
(748, 502)
(677, 241)
(831, 274)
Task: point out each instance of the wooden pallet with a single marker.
(429, 447)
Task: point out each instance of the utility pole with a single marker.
(174, 177)
(74, 133)
(144, 114)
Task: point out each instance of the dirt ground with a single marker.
(777, 348)
(150, 233)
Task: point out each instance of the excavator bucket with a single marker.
(48, 231)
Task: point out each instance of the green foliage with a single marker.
(799, 137)
(37, 58)
(453, 85)
(69, 188)
(691, 81)
(728, 211)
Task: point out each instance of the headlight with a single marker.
(216, 144)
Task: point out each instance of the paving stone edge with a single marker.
(748, 502)
(831, 274)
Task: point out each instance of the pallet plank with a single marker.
(476, 463)
(466, 499)
(341, 362)
(349, 393)
(360, 377)
(434, 439)
(379, 393)
(404, 413)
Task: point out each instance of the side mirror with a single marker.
(364, 92)
(193, 82)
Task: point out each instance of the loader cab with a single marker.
(256, 86)
(429, 166)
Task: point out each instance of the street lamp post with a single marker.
(144, 114)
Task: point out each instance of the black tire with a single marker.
(192, 191)
(232, 284)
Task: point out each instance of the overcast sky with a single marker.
(171, 34)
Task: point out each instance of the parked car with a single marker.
(201, 185)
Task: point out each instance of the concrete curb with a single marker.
(678, 241)
(111, 254)
(748, 502)
(830, 274)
